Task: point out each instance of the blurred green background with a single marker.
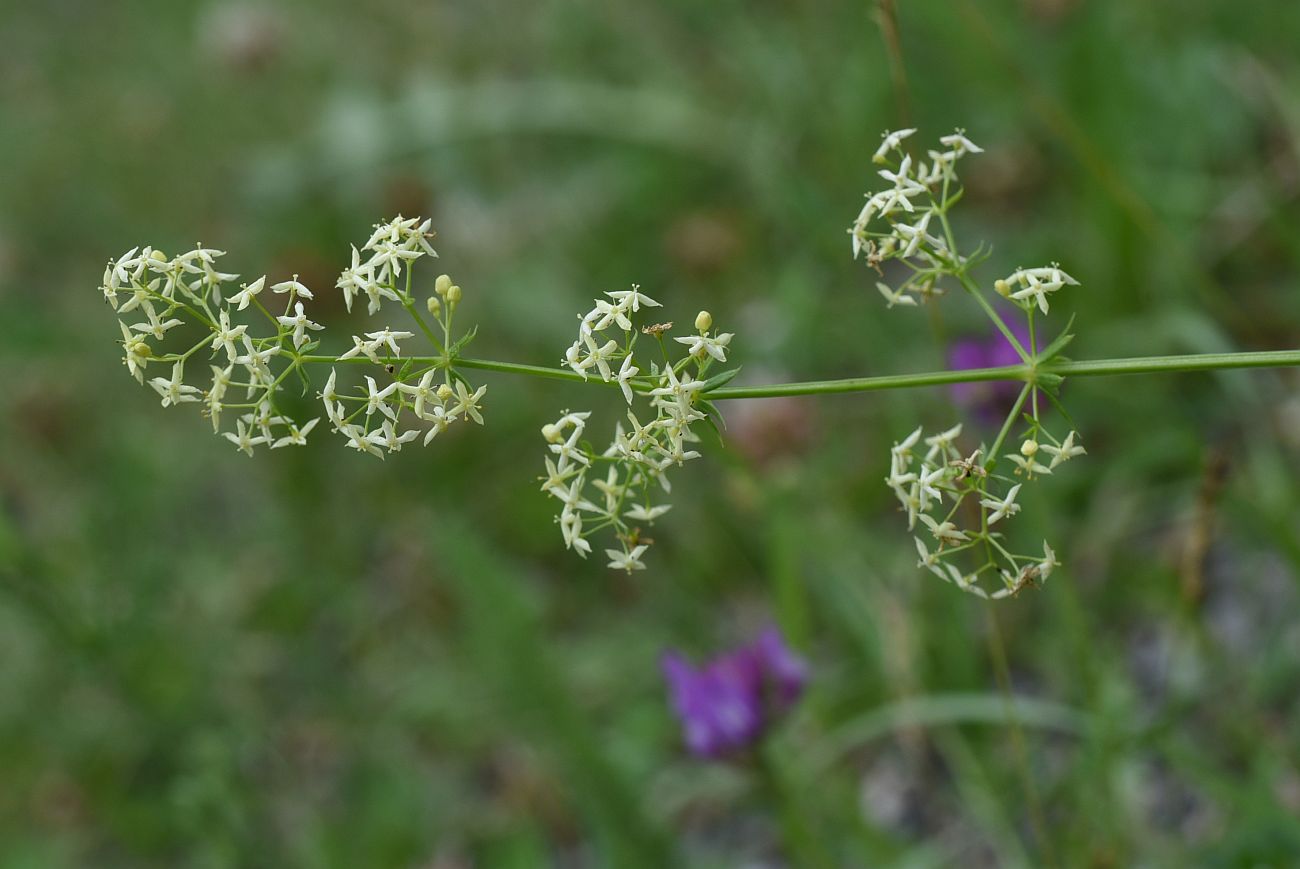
(313, 659)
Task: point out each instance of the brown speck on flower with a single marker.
(657, 329)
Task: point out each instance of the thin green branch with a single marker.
(1024, 373)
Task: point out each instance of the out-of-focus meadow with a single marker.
(311, 658)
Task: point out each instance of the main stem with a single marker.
(1085, 368)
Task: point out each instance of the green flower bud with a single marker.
(703, 321)
(442, 284)
(434, 306)
(453, 294)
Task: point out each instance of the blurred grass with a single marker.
(315, 660)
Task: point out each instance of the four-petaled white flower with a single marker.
(467, 402)
(292, 286)
(175, 391)
(626, 372)
(226, 335)
(1005, 507)
(629, 561)
(247, 293)
(299, 324)
(889, 142)
(296, 436)
(243, 437)
(698, 345)
(1066, 451)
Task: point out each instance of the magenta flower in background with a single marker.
(992, 399)
(727, 704)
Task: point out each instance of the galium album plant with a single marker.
(232, 350)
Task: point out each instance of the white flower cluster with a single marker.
(1028, 287)
(613, 489)
(374, 425)
(892, 225)
(932, 487)
(400, 241)
(187, 292)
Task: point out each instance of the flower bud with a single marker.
(159, 256)
(703, 321)
(434, 306)
(442, 284)
(551, 432)
(1028, 448)
(444, 392)
(453, 294)
(140, 348)
(1002, 287)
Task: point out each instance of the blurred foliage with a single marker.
(314, 659)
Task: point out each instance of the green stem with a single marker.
(1086, 368)
(993, 315)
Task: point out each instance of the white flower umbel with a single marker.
(639, 455)
(400, 400)
(965, 504)
(908, 220)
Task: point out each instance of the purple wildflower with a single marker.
(726, 704)
(990, 399)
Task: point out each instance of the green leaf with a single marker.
(720, 379)
(1058, 345)
(462, 342)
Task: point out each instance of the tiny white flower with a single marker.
(244, 440)
(904, 448)
(942, 443)
(1049, 562)
(227, 335)
(360, 441)
(362, 347)
(292, 286)
(467, 402)
(945, 532)
(297, 436)
(929, 560)
(599, 356)
(628, 561)
(633, 298)
(642, 514)
(299, 324)
(1028, 465)
(391, 439)
(1005, 507)
(1066, 451)
(895, 297)
(424, 392)
(701, 344)
(959, 144)
(137, 353)
(386, 336)
(354, 279)
(626, 372)
(440, 419)
(904, 187)
(217, 392)
(377, 399)
(175, 391)
(247, 292)
(889, 142)
(608, 315)
(156, 326)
